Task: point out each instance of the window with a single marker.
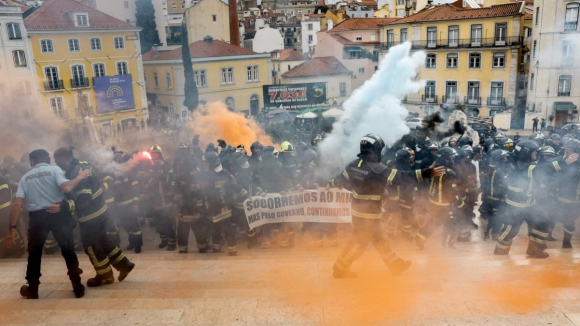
(173, 6)
(500, 33)
(359, 37)
(452, 60)
(214, 17)
(13, 31)
(564, 85)
(119, 43)
(431, 61)
(450, 91)
(57, 107)
(373, 37)
(498, 60)
(95, 44)
(390, 38)
(168, 80)
(430, 91)
(46, 46)
(200, 78)
(361, 70)
(230, 103)
(532, 81)
(496, 93)
(403, 35)
(252, 73)
(126, 4)
(82, 20)
(183, 5)
(571, 20)
(74, 45)
(473, 92)
(453, 36)
(476, 34)
(99, 69)
(475, 60)
(431, 37)
(19, 58)
(537, 15)
(254, 104)
(78, 74)
(52, 80)
(534, 49)
(122, 68)
(155, 79)
(310, 38)
(310, 27)
(568, 53)
(342, 89)
(227, 75)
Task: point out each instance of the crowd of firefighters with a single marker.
(409, 190)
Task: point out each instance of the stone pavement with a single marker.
(463, 286)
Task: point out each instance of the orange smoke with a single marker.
(216, 121)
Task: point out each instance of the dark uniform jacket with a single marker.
(127, 190)
(272, 176)
(193, 204)
(161, 185)
(89, 202)
(5, 202)
(443, 190)
(568, 183)
(219, 191)
(246, 179)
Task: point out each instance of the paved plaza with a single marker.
(463, 286)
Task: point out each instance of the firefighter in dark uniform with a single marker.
(108, 180)
(255, 159)
(220, 187)
(196, 150)
(161, 188)
(291, 173)
(546, 199)
(404, 194)
(554, 142)
(467, 186)
(6, 191)
(367, 177)
(127, 201)
(568, 192)
(521, 194)
(445, 200)
(493, 196)
(91, 213)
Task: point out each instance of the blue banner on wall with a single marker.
(114, 93)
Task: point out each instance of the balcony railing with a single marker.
(496, 101)
(61, 114)
(476, 43)
(79, 82)
(429, 98)
(570, 26)
(53, 85)
(564, 93)
(450, 99)
(471, 100)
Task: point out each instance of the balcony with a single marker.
(474, 43)
(388, 45)
(472, 100)
(429, 99)
(495, 101)
(450, 99)
(79, 82)
(61, 114)
(570, 26)
(567, 93)
(53, 85)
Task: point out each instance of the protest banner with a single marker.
(305, 206)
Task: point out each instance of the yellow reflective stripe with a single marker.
(438, 203)
(515, 189)
(345, 175)
(4, 186)
(117, 182)
(516, 204)
(360, 163)
(556, 166)
(492, 198)
(118, 260)
(106, 185)
(419, 175)
(462, 204)
(110, 200)
(84, 191)
(71, 205)
(134, 183)
(540, 233)
(108, 178)
(441, 189)
(394, 198)
(531, 176)
(332, 183)
(492, 178)
(536, 240)
(569, 201)
(367, 215)
(365, 197)
(125, 202)
(6, 204)
(114, 252)
(507, 231)
(135, 198)
(391, 177)
(98, 193)
(104, 271)
(502, 246)
(93, 215)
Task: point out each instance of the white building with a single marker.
(17, 68)
(554, 87)
(309, 29)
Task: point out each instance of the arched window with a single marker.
(230, 103)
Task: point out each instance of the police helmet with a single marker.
(547, 151)
(238, 159)
(453, 141)
(499, 136)
(211, 147)
(499, 155)
(538, 138)
(461, 154)
(573, 144)
(402, 156)
(212, 158)
(446, 154)
(372, 144)
(286, 147)
(477, 149)
(507, 144)
(121, 157)
(524, 149)
(433, 145)
(465, 140)
(467, 149)
(155, 149)
(487, 144)
(256, 146)
(268, 151)
(554, 137)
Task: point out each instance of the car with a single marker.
(481, 129)
(566, 128)
(414, 123)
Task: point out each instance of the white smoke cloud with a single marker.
(375, 108)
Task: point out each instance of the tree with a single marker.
(191, 94)
(146, 20)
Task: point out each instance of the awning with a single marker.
(564, 106)
(353, 48)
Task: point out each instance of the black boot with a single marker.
(163, 244)
(78, 289)
(171, 247)
(500, 252)
(99, 280)
(123, 272)
(30, 291)
(536, 250)
(137, 249)
(566, 244)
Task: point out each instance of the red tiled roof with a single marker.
(291, 55)
(54, 15)
(366, 3)
(448, 12)
(318, 66)
(200, 49)
(312, 16)
(362, 23)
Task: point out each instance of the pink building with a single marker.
(355, 43)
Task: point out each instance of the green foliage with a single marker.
(146, 20)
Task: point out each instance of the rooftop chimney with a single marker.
(208, 39)
(234, 29)
(155, 49)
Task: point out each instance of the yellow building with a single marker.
(208, 17)
(222, 72)
(472, 55)
(75, 46)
